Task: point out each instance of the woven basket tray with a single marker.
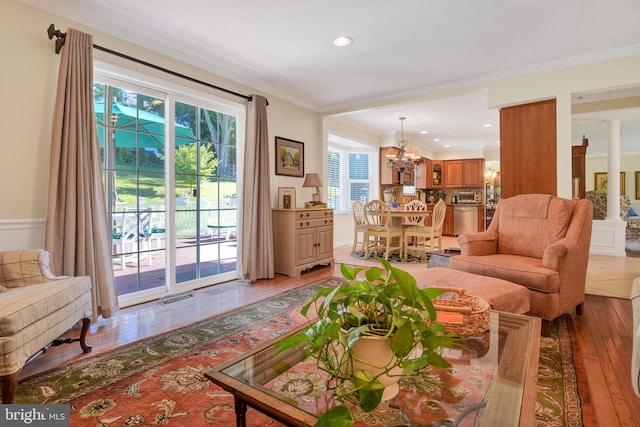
(475, 312)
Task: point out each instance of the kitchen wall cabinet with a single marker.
(465, 173)
(436, 174)
(302, 238)
(453, 174)
(422, 171)
(473, 173)
(388, 176)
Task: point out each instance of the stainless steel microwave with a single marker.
(471, 197)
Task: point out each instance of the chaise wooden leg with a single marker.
(545, 330)
(579, 308)
(86, 322)
(9, 384)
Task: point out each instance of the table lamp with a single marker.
(313, 180)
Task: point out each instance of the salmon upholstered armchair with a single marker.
(538, 241)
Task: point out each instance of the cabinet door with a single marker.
(427, 220)
(324, 242)
(453, 173)
(421, 173)
(447, 227)
(436, 174)
(472, 173)
(305, 245)
(388, 176)
(481, 222)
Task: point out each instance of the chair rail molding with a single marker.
(608, 237)
(22, 233)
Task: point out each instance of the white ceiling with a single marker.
(405, 49)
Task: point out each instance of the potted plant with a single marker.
(387, 307)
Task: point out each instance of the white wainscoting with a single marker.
(607, 237)
(21, 234)
(342, 229)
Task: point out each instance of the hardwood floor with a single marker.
(603, 338)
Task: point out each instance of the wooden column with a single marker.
(528, 149)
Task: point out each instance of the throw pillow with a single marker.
(631, 212)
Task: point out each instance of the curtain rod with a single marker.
(60, 39)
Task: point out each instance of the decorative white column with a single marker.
(608, 235)
(613, 171)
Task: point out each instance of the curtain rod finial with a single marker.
(60, 37)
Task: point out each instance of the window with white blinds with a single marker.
(351, 175)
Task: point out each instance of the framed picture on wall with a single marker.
(289, 157)
(286, 198)
(637, 185)
(601, 183)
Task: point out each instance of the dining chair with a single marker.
(424, 236)
(131, 234)
(380, 229)
(158, 228)
(414, 230)
(359, 224)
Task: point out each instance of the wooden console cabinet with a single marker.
(302, 238)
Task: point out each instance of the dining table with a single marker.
(398, 214)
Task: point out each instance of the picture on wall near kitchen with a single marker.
(289, 157)
(601, 182)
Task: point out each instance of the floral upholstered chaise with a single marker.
(599, 200)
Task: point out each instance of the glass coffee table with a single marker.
(492, 382)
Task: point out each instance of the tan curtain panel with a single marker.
(257, 233)
(77, 230)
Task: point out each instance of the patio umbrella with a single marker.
(149, 127)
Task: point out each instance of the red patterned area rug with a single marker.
(161, 380)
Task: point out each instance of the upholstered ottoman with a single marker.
(500, 294)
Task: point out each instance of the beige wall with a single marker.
(28, 78)
(560, 84)
(30, 68)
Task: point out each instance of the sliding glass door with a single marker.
(206, 187)
(170, 189)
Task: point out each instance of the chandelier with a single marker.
(402, 156)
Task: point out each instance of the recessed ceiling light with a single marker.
(447, 146)
(424, 132)
(487, 125)
(342, 41)
(436, 139)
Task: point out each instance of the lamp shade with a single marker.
(312, 180)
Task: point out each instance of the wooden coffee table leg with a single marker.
(241, 412)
